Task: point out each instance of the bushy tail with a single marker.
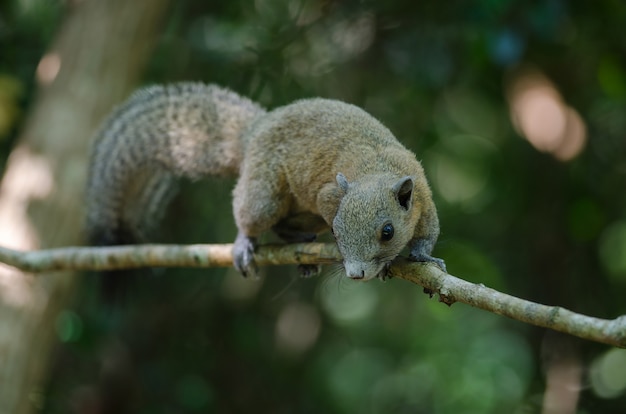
(159, 134)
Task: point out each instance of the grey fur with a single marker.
(159, 134)
(303, 168)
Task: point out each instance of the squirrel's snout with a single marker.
(356, 275)
(358, 271)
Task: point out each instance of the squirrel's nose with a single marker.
(356, 275)
(357, 270)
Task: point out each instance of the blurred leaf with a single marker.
(612, 248)
(612, 78)
(11, 90)
(194, 393)
(585, 219)
(464, 257)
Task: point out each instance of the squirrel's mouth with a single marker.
(364, 274)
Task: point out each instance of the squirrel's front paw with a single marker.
(422, 257)
(384, 274)
(243, 255)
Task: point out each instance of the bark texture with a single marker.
(434, 280)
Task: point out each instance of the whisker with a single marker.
(386, 259)
(280, 293)
(333, 273)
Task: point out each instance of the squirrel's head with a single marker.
(375, 220)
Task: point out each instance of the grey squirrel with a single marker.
(303, 168)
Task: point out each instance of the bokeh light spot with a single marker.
(297, 328)
(69, 326)
(350, 305)
(458, 183)
(540, 115)
(608, 374)
(612, 247)
(48, 68)
(355, 372)
(507, 47)
(470, 113)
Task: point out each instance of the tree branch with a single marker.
(449, 288)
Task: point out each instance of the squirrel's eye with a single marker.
(387, 233)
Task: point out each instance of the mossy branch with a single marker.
(449, 288)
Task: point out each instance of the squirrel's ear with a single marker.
(328, 200)
(343, 182)
(403, 190)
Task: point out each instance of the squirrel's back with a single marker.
(313, 139)
(159, 134)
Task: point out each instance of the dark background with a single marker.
(493, 96)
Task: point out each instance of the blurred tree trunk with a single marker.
(94, 61)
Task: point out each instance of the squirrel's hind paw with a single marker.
(309, 270)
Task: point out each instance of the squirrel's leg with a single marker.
(308, 270)
(258, 204)
(425, 237)
(289, 236)
(420, 252)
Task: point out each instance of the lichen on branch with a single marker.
(449, 288)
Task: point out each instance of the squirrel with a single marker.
(304, 168)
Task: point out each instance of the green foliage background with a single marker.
(516, 219)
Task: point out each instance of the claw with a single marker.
(243, 255)
(310, 270)
(384, 274)
(422, 257)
